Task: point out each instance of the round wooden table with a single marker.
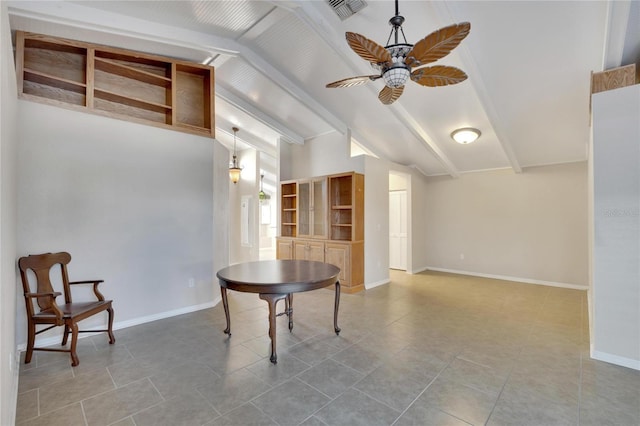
(276, 280)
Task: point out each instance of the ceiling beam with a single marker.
(247, 139)
(220, 48)
(287, 84)
(443, 10)
(423, 136)
(319, 20)
(616, 30)
(271, 18)
(258, 114)
(86, 18)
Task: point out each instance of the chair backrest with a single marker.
(41, 265)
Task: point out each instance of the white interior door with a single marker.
(398, 230)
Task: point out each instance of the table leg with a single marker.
(335, 309)
(290, 310)
(271, 300)
(225, 303)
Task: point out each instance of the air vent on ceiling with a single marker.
(346, 8)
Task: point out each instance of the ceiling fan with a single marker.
(395, 62)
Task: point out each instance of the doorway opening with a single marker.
(399, 221)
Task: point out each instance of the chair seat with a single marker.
(75, 309)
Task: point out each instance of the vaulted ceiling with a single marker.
(528, 62)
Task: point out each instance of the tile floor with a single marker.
(427, 349)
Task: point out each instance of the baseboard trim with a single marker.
(508, 278)
(615, 359)
(129, 323)
(369, 286)
(418, 270)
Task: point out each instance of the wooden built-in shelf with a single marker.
(132, 102)
(49, 80)
(118, 83)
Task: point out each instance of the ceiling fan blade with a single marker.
(389, 95)
(437, 45)
(354, 81)
(368, 50)
(439, 75)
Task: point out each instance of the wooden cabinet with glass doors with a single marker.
(312, 208)
(322, 218)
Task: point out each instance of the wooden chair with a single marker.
(50, 312)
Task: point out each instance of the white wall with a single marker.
(133, 204)
(616, 227)
(419, 227)
(220, 210)
(8, 219)
(324, 155)
(330, 154)
(247, 186)
(376, 222)
(530, 226)
(397, 182)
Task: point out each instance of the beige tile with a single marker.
(40, 376)
(482, 378)
(27, 406)
(246, 415)
(472, 334)
(458, 400)
(119, 403)
(183, 410)
(71, 415)
(65, 392)
(132, 370)
(102, 358)
(419, 415)
(124, 422)
(233, 390)
(522, 406)
(183, 379)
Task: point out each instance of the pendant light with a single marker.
(234, 170)
(263, 196)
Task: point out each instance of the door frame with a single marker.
(404, 180)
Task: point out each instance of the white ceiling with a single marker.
(528, 63)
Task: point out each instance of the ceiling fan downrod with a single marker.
(396, 22)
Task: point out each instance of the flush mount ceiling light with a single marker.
(234, 170)
(465, 135)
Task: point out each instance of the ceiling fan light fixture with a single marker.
(395, 61)
(465, 135)
(396, 76)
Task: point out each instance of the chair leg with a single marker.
(31, 338)
(65, 336)
(74, 340)
(112, 338)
